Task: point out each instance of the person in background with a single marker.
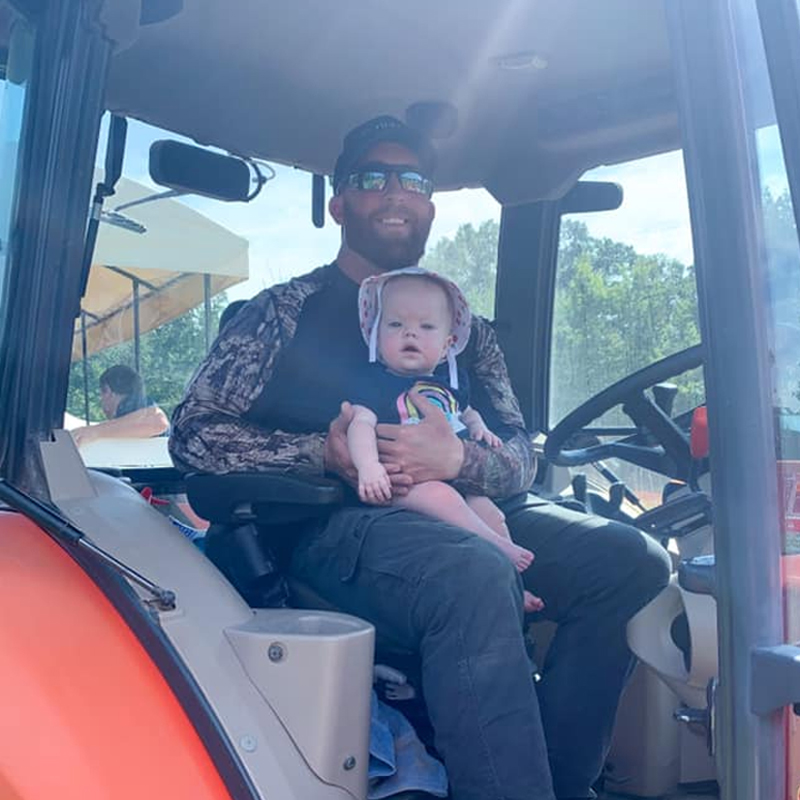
(130, 413)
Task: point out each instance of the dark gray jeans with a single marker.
(457, 600)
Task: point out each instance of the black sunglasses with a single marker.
(374, 178)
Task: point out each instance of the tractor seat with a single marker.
(254, 520)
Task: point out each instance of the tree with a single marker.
(469, 259)
(615, 310)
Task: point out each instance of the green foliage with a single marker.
(169, 356)
(470, 260)
(615, 312)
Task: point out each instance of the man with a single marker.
(264, 398)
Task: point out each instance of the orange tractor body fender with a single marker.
(86, 714)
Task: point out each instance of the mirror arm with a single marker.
(149, 199)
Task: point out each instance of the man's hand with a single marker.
(337, 456)
(429, 451)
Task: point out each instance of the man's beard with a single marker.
(386, 254)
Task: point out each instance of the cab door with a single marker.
(781, 34)
(737, 98)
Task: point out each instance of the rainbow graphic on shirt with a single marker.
(437, 394)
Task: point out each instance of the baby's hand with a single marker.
(374, 486)
(483, 434)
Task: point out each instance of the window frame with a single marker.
(54, 173)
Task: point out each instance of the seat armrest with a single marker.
(222, 498)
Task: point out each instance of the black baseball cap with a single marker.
(382, 129)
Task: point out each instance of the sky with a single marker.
(654, 217)
(277, 224)
(284, 243)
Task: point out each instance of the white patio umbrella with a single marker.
(140, 280)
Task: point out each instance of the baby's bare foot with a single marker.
(531, 602)
(520, 557)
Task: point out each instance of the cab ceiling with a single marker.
(284, 80)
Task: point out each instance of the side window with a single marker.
(625, 287)
(163, 270)
(782, 300)
(16, 48)
(783, 257)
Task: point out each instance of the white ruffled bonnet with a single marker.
(369, 309)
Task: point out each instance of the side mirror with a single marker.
(587, 196)
(193, 170)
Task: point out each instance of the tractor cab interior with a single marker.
(200, 139)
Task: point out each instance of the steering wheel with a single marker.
(670, 455)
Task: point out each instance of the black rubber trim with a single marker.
(148, 632)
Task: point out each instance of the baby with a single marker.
(414, 320)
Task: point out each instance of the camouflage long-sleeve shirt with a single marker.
(211, 431)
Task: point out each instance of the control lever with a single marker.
(579, 489)
(691, 716)
(703, 718)
(664, 395)
(616, 493)
(613, 479)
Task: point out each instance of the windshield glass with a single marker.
(165, 270)
(625, 288)
(625, 298)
